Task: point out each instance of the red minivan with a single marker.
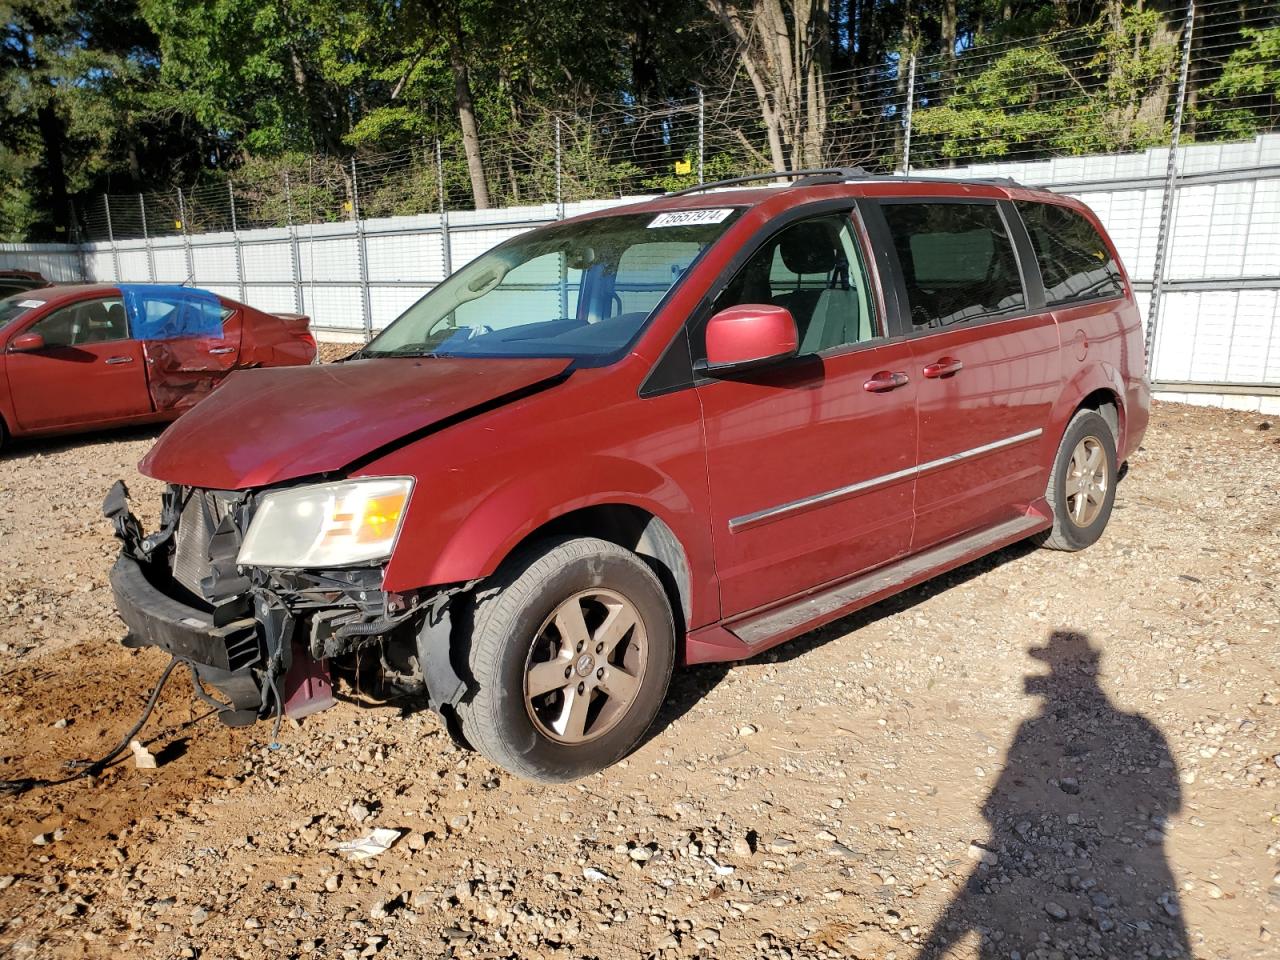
(676, 432)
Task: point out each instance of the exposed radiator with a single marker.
(191, 543)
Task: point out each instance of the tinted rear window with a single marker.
(957, 261)
(1074, 261)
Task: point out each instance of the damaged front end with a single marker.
(264, 636)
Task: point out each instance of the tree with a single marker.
(785, 52)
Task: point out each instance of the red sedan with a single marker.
(88, 356)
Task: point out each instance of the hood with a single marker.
(267, 426)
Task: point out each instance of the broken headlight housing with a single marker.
(327, 524)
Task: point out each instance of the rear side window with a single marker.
(957, 261)
(1074, 261)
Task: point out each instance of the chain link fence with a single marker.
(1108, 88)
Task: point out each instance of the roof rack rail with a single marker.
(828, 175)
(808, 177)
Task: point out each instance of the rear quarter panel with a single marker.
(1102, 348)
(271, 341)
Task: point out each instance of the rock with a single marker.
(841, 851)
(358, 812)
(748, 730)
(415, 842)
(1069, 785)
(252, 923)
(640, 854)
(782, 845)
(707, 935)
(7, 881)
(42, 839)
(198, 916)
(982, 855)
(1056, 910)
(742, 847)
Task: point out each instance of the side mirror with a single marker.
(750, 335)
(26, 343)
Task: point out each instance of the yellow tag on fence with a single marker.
(684, 166)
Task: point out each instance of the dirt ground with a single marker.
(1042, 755)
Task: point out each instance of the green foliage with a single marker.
(1048, 98)
(1246, 97)
(125, 96)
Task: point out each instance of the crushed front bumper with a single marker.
(224, 655)
(264, 638)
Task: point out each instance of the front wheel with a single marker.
(571, 653)
(1082, 485)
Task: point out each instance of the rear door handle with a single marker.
(115, 360)
(218, 350)
(883, 381)
(943, 367)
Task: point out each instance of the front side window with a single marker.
(814, 268)
(15, 306)
(957, 261)
(1074, 261)
(579, 290)
(81, 324)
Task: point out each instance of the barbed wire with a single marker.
(1104, 88)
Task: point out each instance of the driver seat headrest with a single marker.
(809, 248)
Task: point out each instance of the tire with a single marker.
(1076, 526)
(525, 636)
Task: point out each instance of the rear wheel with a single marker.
(571, 654)
(1082, 485)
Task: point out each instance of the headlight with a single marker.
(327, 525)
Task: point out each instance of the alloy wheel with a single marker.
(1086, 481)
(585, 666)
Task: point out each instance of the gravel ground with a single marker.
(1042, 755)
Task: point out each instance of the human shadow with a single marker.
(1075, 863)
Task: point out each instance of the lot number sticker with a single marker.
(689, 218)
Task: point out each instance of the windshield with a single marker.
(578, 290)
(12, 307)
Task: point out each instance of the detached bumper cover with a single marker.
(223, 655)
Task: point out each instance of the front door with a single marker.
(810, 461)
(986, 360)
(89, 371)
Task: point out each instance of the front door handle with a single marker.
(219, 350)
(883, 381)
(943, 367)
(115, 360)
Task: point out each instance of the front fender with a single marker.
(494, 526)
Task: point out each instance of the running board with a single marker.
(764, 630)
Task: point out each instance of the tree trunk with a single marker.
(787, 60)
(51, 135)
(467, 118)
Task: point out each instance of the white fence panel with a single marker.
(1220, 308)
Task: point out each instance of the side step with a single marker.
(763, 630)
